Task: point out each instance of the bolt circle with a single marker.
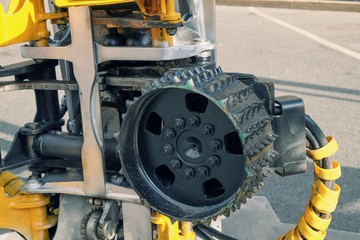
(203, 172)
(168, 150)
(169, 134)
(194, 121)
(214, 161)
(179, 123)
(189, 173)
(215, 145)
(208, 130)
(175, 164)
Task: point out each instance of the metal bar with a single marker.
(120, 53)
(47, 101)
(150, 53)
(37, 85)
(67, 146)
(85, 70)
(347, 6)
(137, 224)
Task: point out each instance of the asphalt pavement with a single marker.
(314, 55)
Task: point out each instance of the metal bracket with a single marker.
(291, 145)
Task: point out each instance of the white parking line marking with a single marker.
(307, 34)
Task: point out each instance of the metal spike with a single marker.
(170, 76)
(260, 146)
(191, 74)
(271, 137)
(184, 76)
(146, 89)
(214, 72)
(163, 80)
(227, 213)
(212, 88)
(177, 79)
(205, 76)
(191, 82)
(198, 80)
(128, 103)
(211, 74)
(197, 70)
(266, 141)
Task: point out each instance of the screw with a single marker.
(169, 134)
(194, 121)
(175, 164)
(189, 173)
(179, 123)
(168, 150)
(215, 145)
(214, 161)
(208, 130)
(203, 172)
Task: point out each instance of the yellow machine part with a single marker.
(24, 213)
(165, 10)
(25, 21)
(323, 199)
(172, 231)
(74, 3)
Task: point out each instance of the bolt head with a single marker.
(214, 161)
(168, 150)
(208, 130)
(179, 123)
(189, 173)
(194, 121)
(169, 134)
(175, 164)
(203, 172)
(215, 145)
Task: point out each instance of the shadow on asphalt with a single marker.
(289, 195)
(8, 129)
(311, 86)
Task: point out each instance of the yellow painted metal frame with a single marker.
(74, 3)
(172, 231)
(25, 21)
(24, 213)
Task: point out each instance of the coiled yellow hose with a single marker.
(323, 199)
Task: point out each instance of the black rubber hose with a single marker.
(215, 233)
(201, 234)
(322, 141)
(313, 144)
(315, 130)
(318, 135)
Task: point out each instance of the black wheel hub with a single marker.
(183, 152)
(178, 160)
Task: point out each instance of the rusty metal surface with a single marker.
(37, 85)
(135, 23)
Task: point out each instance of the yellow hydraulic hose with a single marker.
(323, 199)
